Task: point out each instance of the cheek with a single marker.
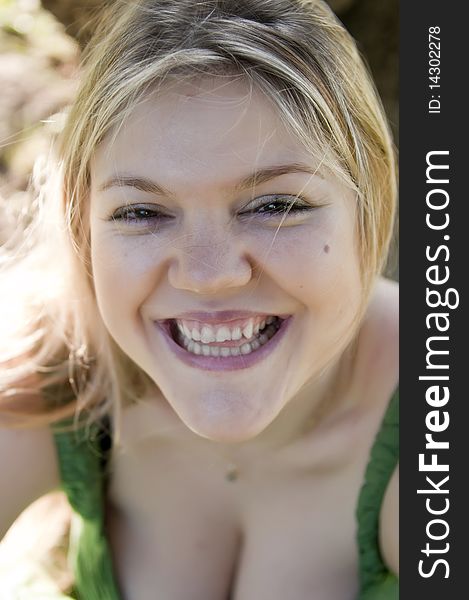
(123, 274)
(319, 267)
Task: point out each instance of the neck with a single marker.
(315, 402)
(320, 397)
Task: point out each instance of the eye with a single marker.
(278, 205)
(135, 215)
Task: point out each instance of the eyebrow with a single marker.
(256, 178)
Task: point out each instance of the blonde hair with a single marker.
(298, 54)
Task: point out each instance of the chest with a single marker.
(180, 529)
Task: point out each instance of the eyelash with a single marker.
(289, 205)
(285, 206)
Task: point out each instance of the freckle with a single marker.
(326, 248)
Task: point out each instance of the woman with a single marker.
(209, 363)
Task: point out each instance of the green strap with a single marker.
(81, 470)
(376, 582)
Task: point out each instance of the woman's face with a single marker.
(230, 298)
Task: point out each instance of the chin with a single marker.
(226, 433)
(225, 416)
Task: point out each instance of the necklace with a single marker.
(232, 473)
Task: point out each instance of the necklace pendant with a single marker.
(232, 474)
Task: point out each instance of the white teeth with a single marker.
(225, 351)
(248, 330)
(245, 348)
(207, 335)
(197, 340)
(255, 344)
(223, 334)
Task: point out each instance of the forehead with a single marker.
(217, 127)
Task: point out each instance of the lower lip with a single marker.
(228, 363)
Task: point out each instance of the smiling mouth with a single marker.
(227, 339)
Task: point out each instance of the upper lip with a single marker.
(222, 316)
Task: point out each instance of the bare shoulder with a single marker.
(381, 322)
(389, 524)
(377, 365)
(379, 356)
(28, 470)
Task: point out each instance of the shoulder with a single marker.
(379, 366)
(28, 470)
(385, 295)
(380, 327)
(389, 524)
(377, 346)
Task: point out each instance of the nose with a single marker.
(207, 267)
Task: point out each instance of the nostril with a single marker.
(209, 275)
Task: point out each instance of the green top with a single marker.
(82, 467)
